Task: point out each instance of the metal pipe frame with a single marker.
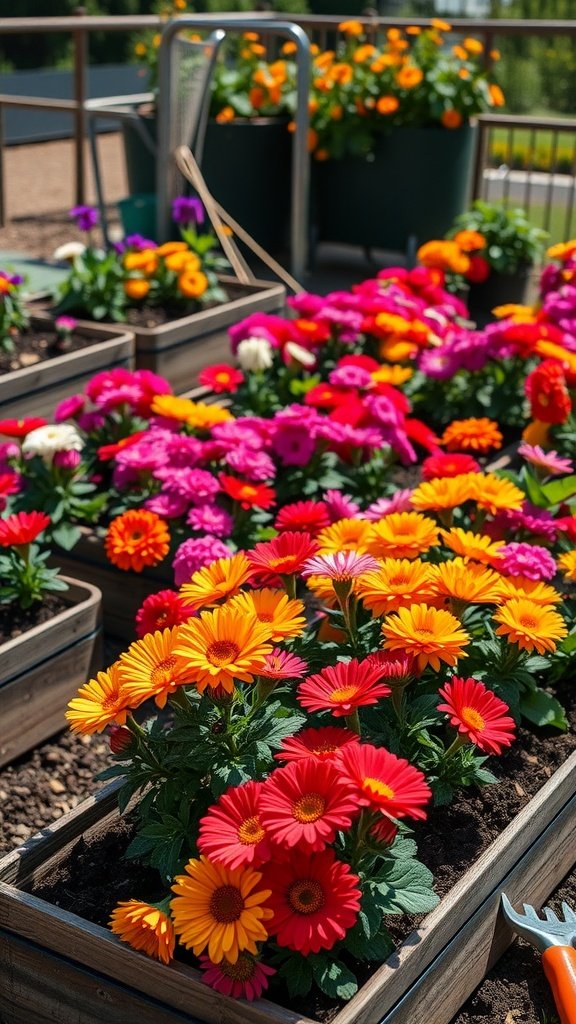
(300, 156)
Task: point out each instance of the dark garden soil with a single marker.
(36, 345)
(15, 622)
(95, 877)
(516, 991)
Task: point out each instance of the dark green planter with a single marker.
(247, 167)
(406, 193)
(140, 162)
(498, 290)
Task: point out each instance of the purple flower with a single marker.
(86, 217)
(518, 559)
(211, 519)
(187, 210)
(195, 553)
(138, 242)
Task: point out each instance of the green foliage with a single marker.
(13, 316)
(25, 577)
(512, 241)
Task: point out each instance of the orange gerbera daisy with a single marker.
(430, 635)
(536, 590)
(476, 546)
(392, 374)
(345, 535)
(495, 493)
(213, 583)
(100, 702)
(223, 645)
(137, 538)
(282, 615)
(443, 492)
(220, 909)
(477, 434)
(567, 564)
(197, 415)
(402, 535)
(145, 926)
(398, 583)
(151, 668)
(530, 625)
(466, 581)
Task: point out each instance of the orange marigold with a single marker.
(478, 434)
(402, 535)
(443, 492)
(430, 635)
(137, 538)
(398, 583)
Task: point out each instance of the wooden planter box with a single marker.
(180, 349)
(42, 669)
(57, 967)
(37, 390)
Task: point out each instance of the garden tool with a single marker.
(555, 939)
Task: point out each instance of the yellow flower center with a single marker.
(222, 652)
(306, 896)
(325, 748)
(472, 718)
(242, 970)
(162, 672)
(308, 808)
(286, 561)
(343, 694)
(378, 787)
(251, 832)
(226, 904)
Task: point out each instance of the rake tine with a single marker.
(530, 913)
(569, 914)
(550, 915)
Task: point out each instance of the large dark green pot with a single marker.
(247, 167)
(407, 192)
(140, 162)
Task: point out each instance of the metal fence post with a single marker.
(80, 37)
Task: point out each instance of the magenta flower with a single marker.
(250, 464)
(68, 408)
(280, 664)
(67, 460)
(340, 506)
(65, 324)
(86, 217)
(519, 559)
(197, 486)
(399, 502)
(351, 377)
(210, 519)
(551, 462)
(168, 505)
(194, 554)
(340, 565)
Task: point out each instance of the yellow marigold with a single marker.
(472, 45)
(409, 76)
(136, 288)
(220, 909)
(398, 583)
(443, 255)
(192, 283)
(402, 535)
(137, 538)
(146, 260)
(512, 309)
(430, 635)
(443, 492)
(282, 615)
(198, 415)
(226, 115)
(496, 95)
(470, 241)
(396, 350)
(364, 53)
(289, 48)
(550, 350)
(179, 261)
(466, 581)
(351, 28)
(140, 49)
(171, 248)
(562, 250)
(537, 432)
(495, 493)
(536, 590)
(215, 582)
(391, 324)
(440, 25)
(476, 434)
(222, 646)
(151, 668)
(530, 625)
(345, 535)
(145, 926)
(341, 73)
(99, 702)
(460, 52)
(413, 30)
(567, 565)
(475, 546)
(395, 375)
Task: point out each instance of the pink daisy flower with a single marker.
(519, 559)
(280, 664)
(551, 462)
(340, 565)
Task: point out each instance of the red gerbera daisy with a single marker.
(22, 528)
(342, 688)
(221, 378)
(284, 555)
(394, 665)
(448, 464)
(547, 392)
(306, 803)
(246, 979)
(325, 396)
(385, 782)
(249, 494)
(19, 428)
(316, 744)
(478, 713)
(161, 611)
(384, 831)
(303, 517)
(109, 451)
(231, 832)
(315, 899)
(280, 664)
(9, 484)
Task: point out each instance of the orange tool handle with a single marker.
(559, 964)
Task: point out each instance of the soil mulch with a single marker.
(16, 621)
(37, 345)
(516, 991)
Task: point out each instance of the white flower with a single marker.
(299, 354)
(69, 251)
(55, 437)
(254, 354)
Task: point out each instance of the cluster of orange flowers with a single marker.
(168, 267)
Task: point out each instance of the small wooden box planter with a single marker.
(37, 390)
(42, 669)
(57, 967)
(179, 349)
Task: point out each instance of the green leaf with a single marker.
(558, 490)
(297, 972)
(66, 535)
(542, 708)
(334, 979)
(406, 886)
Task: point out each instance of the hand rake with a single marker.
(556, 941)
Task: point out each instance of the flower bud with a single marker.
(120, 739)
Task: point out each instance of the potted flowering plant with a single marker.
(49, 634)
(39, 357)
(173, 296)
(389, 114)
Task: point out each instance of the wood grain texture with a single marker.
(36, 390)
